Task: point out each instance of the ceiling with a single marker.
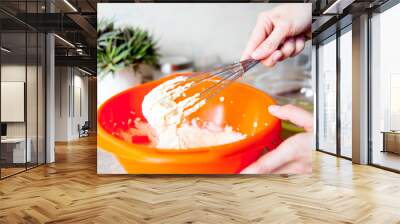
(74, 22)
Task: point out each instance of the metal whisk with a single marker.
(225, 76)
(220, 79)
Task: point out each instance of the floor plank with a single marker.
(70, 191)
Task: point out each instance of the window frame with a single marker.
(333, 37)
(378, 10)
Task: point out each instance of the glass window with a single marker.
(22, 91)
(385, 89)
(41, 98)
(31, 97)
(327, 96)
(313, 77)
(15, 151)
(346, 94)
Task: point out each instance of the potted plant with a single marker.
(124, 56)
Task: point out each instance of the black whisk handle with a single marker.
(248, 64)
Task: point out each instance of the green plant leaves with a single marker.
(122, 47)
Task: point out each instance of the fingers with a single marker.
(260, 31)
(291, 156)
(302, 163)
(271, 43)
(300, 43)
(272, 160)
(296, 115)
(294, 168)
(271, 61)
(266, 39)
(290, 48)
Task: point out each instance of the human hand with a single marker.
(293, 156)
(279, 33)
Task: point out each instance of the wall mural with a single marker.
(195, 88)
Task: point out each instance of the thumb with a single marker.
(296, 115)
(282, 155)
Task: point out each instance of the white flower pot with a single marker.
(111, 84)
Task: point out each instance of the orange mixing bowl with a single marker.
(244, 108)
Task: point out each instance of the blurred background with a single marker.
(199, 37)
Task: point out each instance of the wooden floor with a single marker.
(387, 159)
(10, 171)
(70, 191)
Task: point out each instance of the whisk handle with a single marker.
(248, 64)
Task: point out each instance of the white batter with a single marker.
(168, 118)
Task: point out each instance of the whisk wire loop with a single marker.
(223, 76)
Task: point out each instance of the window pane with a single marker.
(385, 91)
(14, 148)
(41, 98)
(345, 94)
(31, 97)
(32, 87)
(327, 96)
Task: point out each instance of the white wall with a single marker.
(201, 32)
(15, 72)
(81, 85)
(68, 83)
(33, 127)
(62, 81)
(13, 101)
(211, 30)
(82, 82)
